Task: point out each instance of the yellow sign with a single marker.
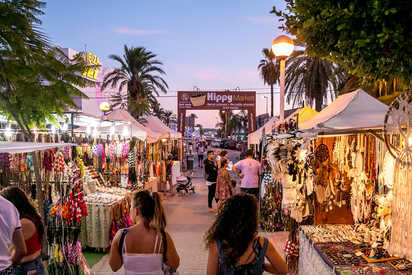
(92, 73)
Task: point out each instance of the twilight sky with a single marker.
(209, 44)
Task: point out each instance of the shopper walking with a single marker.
(22, 226)
(169, 166)
(234, 246)
(224, 187)
(211, 177)
(146, 246)
(248, 170)
(200, 153)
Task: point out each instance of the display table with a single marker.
(324, 257)
(108, 210)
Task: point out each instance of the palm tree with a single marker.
(141, 74)
(270, 72)
(311, 79)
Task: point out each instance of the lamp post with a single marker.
(282, 47)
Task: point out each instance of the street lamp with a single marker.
(282, 47)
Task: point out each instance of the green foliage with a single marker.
(36, 80)
(370, 38)
(311, 79)
(140, 73)
(269, 68)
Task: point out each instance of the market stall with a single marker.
(341, 174)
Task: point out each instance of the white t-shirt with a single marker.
(250, 169)
(9, 223)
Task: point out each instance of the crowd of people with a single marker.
(233, 243)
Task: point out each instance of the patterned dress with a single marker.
(223, 185)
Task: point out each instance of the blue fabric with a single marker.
(35, 266)
(255, 267)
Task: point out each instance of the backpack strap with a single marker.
(164, 247)
(261, 256)
(121, 242)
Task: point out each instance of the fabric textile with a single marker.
(250, 169)
(223, 190)
(8, 271)
(211, 170)
(148, 264)
(9, 223)
(251, 191)
(253, 268)
(35, 266)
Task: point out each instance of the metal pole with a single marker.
(282, 89)
(266, 100)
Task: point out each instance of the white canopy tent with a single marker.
(16, 147)
(157, 125)
(122, 115)
(256, 136)
(355, 110)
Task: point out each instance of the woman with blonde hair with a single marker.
(145, 248)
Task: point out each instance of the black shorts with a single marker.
(200, 157)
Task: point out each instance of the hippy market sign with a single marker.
(214, 100)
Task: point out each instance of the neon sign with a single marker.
(92, 73)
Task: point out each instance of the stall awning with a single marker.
(123, 115)
(157, 125)
(266, 129)
(27, 147)
(356, 110)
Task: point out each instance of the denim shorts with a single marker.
(32, 267)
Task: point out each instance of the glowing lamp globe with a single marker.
(104, 106)
(282, 46)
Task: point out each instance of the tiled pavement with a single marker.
(188, 220)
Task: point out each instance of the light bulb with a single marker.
(410, 141)
(8, 132)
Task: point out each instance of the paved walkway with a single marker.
(188, 220)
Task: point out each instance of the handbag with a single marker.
(165, 267)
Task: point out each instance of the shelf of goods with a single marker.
(345, 249)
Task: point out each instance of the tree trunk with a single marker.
(271, 100)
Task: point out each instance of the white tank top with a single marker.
(143, 264)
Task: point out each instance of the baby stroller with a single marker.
(184, 183)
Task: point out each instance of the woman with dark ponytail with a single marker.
(145, 248)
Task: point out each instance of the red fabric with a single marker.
(33, 244)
